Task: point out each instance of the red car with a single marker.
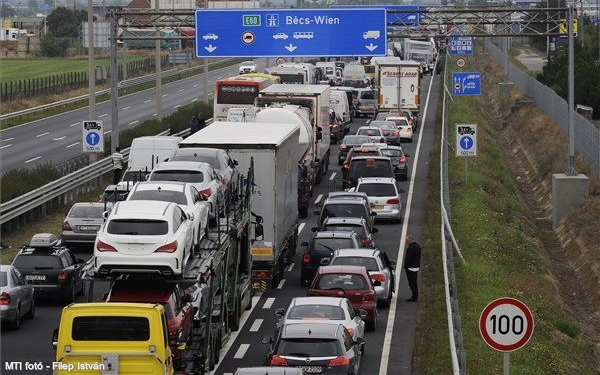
(352, 282)
(178, 307)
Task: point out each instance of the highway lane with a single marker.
(33, 341)
(58, 138)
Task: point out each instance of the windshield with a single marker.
(391, 152)
(86, 212)
(316, 312)
(378, 190)
(344, 210)
(138, 227)
(159, 195)
(331, 244)
(110, 328)
(134, 176)
(309, 348)
(359, 229)
(369, 263)
(236, 94)
(37, 261)
(354, 140)
(343, 281)
(183, 176)
(292, 78)
(370, 168)
(372, 132)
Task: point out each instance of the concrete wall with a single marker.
(567, 192)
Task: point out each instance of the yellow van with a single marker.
(112, 338)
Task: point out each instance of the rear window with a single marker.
(371, 168)
(345, 228)
(3, 279)
(183, 176)
(330, 244)
(356, 140)
(373, 132)
(369, 263)
(343, 281)
(378, 190)
(367, 95)
(195, 157)
(37, 261)
(137, 227)
(110, 328)
(86, 212)
(316, 312)
(309, 348)
(391, 152)
(159, 195)
(344, 210)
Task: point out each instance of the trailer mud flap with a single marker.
(260, 285)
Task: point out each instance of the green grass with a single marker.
(496, 239)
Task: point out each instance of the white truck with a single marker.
(398, 83)
(274, 147)
(295, 73)
(146, 152)
(316, 99)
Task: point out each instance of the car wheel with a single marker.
(16, 323)
(31, 313)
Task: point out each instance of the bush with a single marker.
(19, 181)
(54, 47)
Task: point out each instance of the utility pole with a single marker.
(158, 71)
(114, 80)
(91, 71)
(571, 102)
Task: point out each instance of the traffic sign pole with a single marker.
(505, 363)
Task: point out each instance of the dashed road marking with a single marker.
(75, 124)
(41, 135)
(180, 90)
(133, 122)
(60, 138)
(103, 115)
(256, 325)
(268, 303)
(194, 100)
(147, 101)
(165, 95)
(73, 144)
(196, 85)
(332, 176)
(30, 160)
(290, 267)
(319, 197)
(7, 139)
(5, 146)
(124, 108)
(281, 284)
(177, 106)
(108, 131)
(241, 352)
(300, 227)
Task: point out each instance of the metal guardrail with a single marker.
(122, 85)
(42, 195)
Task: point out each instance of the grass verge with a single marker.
(499, 243)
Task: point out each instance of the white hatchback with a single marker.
(144, 237)
(383, 195)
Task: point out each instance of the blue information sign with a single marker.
(290, 32)
(404, 15)
(461, 45)
(466, 83)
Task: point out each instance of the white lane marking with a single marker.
(241, 352)
(180, 90)
(108, 131)
(290, 267)
(73, 144)
(103, 115)
(177, 106)
(332, 176)
(196, 85)
(281, 284)
(133, 122)
(256, 325)
(194, 100)
(319, 197)
(5, 146)
(124, 108)
(59, 139)
(75, 124)
(147, 101)
(268, 303)
(165, 95)
(41, 135)
(30, 160)
(300, 227)
(389, 329)
(154, 114)
(7, 139)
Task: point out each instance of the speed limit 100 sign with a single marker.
(506, 324)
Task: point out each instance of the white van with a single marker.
(330, 72)
(146, 152)
(338, 101)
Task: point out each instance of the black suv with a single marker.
(51, 268)
(324, 348)
(321, 247)
(369, 166)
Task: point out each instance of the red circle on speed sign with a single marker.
(506, 324)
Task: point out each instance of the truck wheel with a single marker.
(211, 358)
(234, 317)
(217, 350)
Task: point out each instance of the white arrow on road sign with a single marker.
(291, 47)
(371, 47)
(210, 48)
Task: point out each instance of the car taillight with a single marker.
(333, 125)
(350, 331)
(377, 277)
(206, 192)
(4, 299)
(369, 296)
(306, 258)
(62, 277)
(394, 133)
(263, 275)
(365, 241)
(382, 140)
(66, 226)
(339, 361)
(393, 201)
(346, 165)
(343, 147)
(103, 246)
(168, 248)
(278, 361)
(402, 159)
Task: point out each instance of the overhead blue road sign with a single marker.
(403, 15)
(466, 83)
(461, 45)
(290, 32)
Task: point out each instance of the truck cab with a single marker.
(113, 337)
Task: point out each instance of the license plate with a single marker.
(89, 227)
(313, 369)
(35, 277)
(378, 207)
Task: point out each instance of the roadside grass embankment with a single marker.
(503, 258)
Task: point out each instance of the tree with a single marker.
(64, 23)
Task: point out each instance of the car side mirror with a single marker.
(314, 229)
(181, 340)
(280, 311)
(55, 338)
(362, 313)
(360, 341)
(190, 216)
(105, 215)
(374, 230)
(258, 231)
(266, 340)
(235, 162)
(407, 155)
(202, 197)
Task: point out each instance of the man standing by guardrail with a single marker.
(117, 159)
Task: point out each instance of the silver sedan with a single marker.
(16, 297)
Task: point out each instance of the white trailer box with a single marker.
(398, 83)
